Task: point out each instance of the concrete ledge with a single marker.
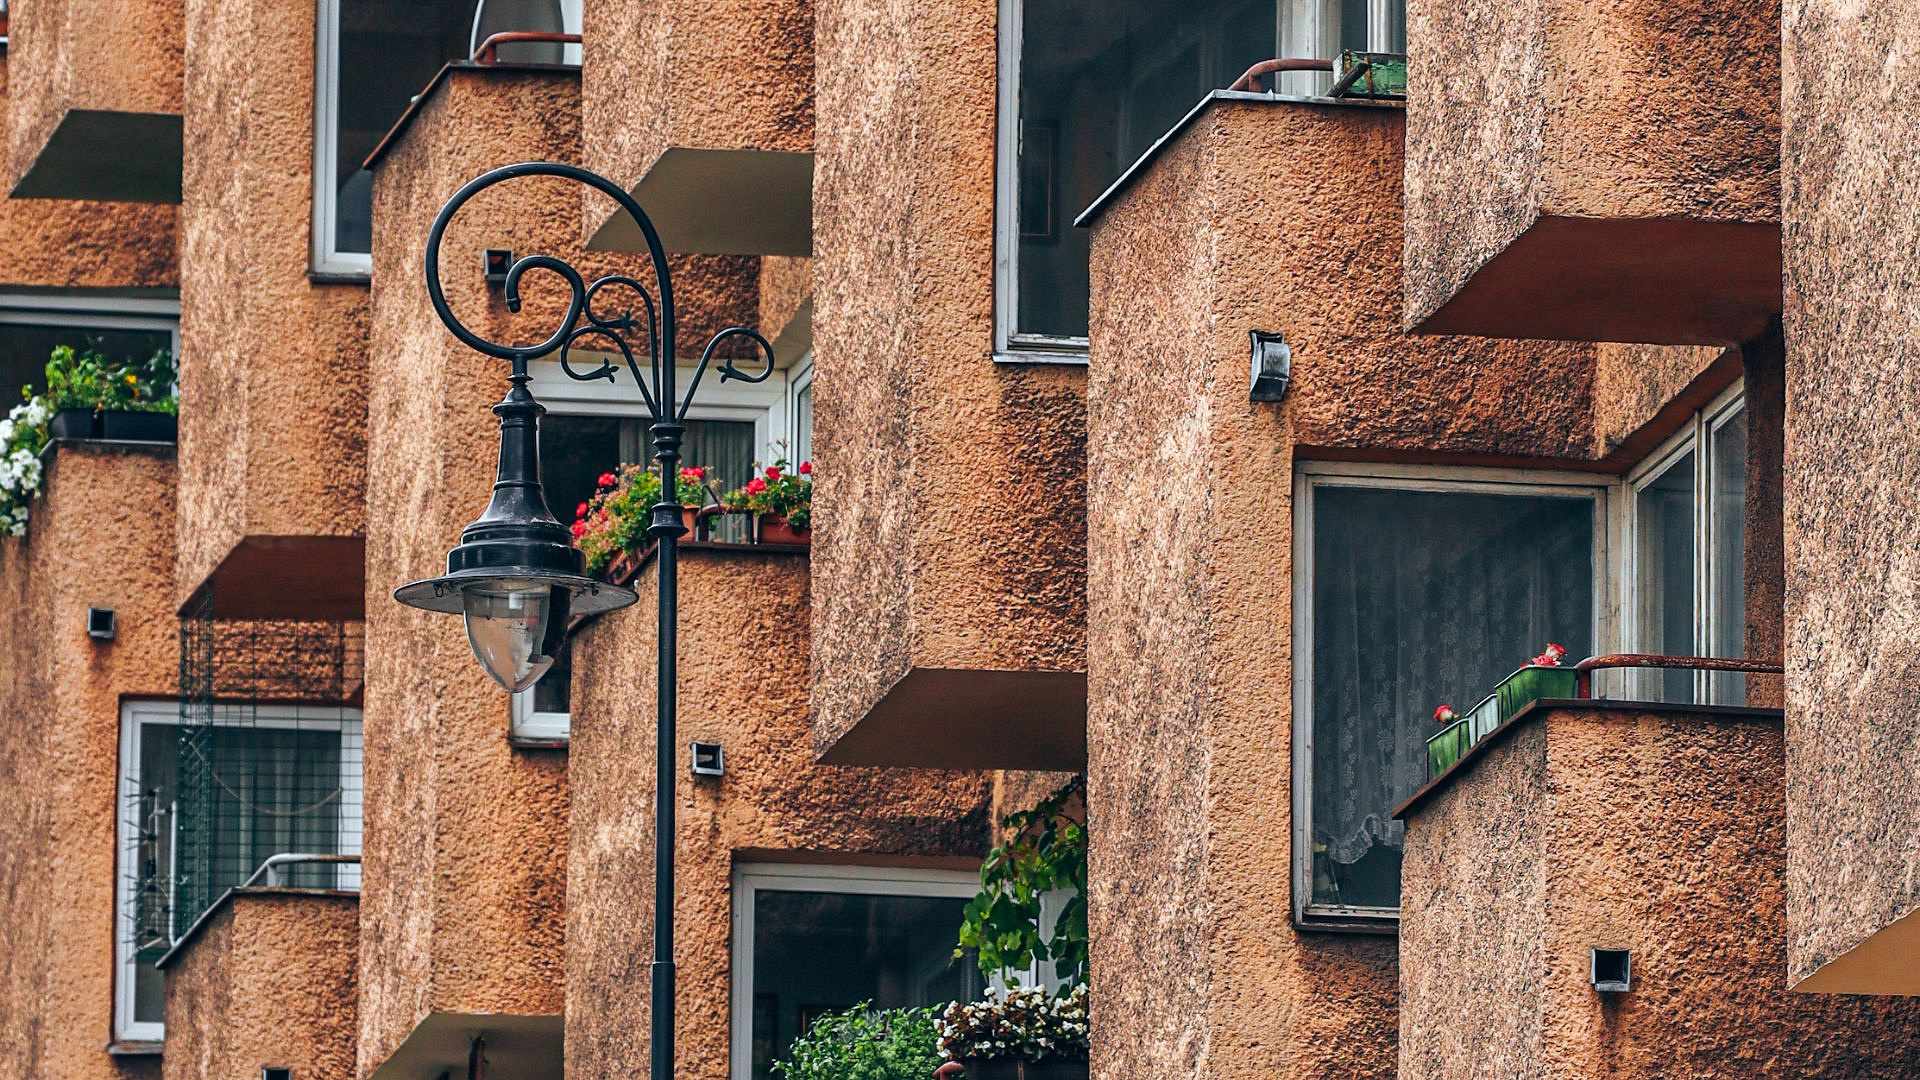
(441, 1043)
(946, 718)
(720, 202)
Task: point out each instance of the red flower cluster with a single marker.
(607, 479)
(757, 485)
(1551, 657)
(806, 468)
(1445, 715)
(693, 474)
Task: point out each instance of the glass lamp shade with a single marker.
(510, 626)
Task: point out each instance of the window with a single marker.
(280, 780)
(31, 325)
(594, 427)
(1086, 89)
(1687, 523)
(372, 58)
(811, 939)
(1412, 588)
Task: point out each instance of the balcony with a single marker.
(704, 112)
(1593, 173)
(95, 97)
(1649, 829)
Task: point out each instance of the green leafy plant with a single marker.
(779, 492)
(1045, 851)
(615, 519)
(862, 1044)
(88, 380)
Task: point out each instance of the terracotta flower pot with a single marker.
(1019, 1069)
(623, 567)
(777, 530)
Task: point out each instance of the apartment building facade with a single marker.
(1197, 433)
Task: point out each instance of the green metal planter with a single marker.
(1515, 692)
(1530, 684)
(1448, 746)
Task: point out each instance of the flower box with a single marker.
(1449, 746)
(118, 425)
(1530, 684)
(1021, 1069)
(777, 530)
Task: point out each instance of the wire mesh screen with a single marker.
(265, 760)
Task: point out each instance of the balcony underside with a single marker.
(288, 577)
(1666, 281)
(441, 1044)
(947, 718)
(721, 202)
(108, 156)
(1886, 963)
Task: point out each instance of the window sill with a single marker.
(1061, 357)
(1347, 924)
(135, 1048)
(537, 742)
(340, 277)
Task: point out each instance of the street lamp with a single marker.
(516, 576)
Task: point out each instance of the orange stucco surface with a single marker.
(464, 906)
(743, 650)
(267, 981)
(82, 245)
(1852, 504)
(1652, 830)
(272, 364)
(101, 536)
(949, 533)
(1606, 171)
(122, 56)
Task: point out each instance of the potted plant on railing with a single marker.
(1025, 1032)
(610, 529)
(781, 501)
(96, 398)
(862, 1043)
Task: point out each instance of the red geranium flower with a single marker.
(607, 479)
(773, 472)
(693, 474)
(1445, 715)
(579, 529)
(581, 512)
(806, 468)
(756, 485)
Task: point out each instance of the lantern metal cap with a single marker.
(590, 596)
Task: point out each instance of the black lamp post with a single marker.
(516, 575)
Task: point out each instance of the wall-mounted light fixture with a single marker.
(100, 623)
(1612, 971)
(1272, 366)
(498, 262)
(708, 759)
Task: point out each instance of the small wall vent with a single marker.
(1612, 971)
(100, 623)
(708, 759)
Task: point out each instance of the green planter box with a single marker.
(1371, 75)
(1447, 747)
(1530, 684)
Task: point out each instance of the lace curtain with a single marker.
(1419, 598)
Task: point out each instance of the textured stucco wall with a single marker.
(743, 664)
(102, 536)
(464, 907)
(727, 75)
(950, 529)
(81, 244)
(273, 365)
(1852, 509)
(1659, 832)
(268, 981)
(1581, 109)
(109, 55)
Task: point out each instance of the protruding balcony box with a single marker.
(703, 109)
(101, 535)
(463, 911)
(1593, 172)
(1653, 829)
(96, 99)
(1282, 215)
(273, 371)
(1853, 525)
(949, 543)
(743, 686)
(265, 980)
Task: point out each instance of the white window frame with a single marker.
(1695, 437)
(1309, 477)
(82, 312)
(325, 258)
(750, 878)
(799, 380)
(768, 405)
(134, 715)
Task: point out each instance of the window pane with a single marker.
(1663, 582)
(817, 952)
(1421, 598)
(1099, 83)
(725, 449)
(388, 51)
(1729, 494)
(803, 425)
(152, 825)
(25, 347)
